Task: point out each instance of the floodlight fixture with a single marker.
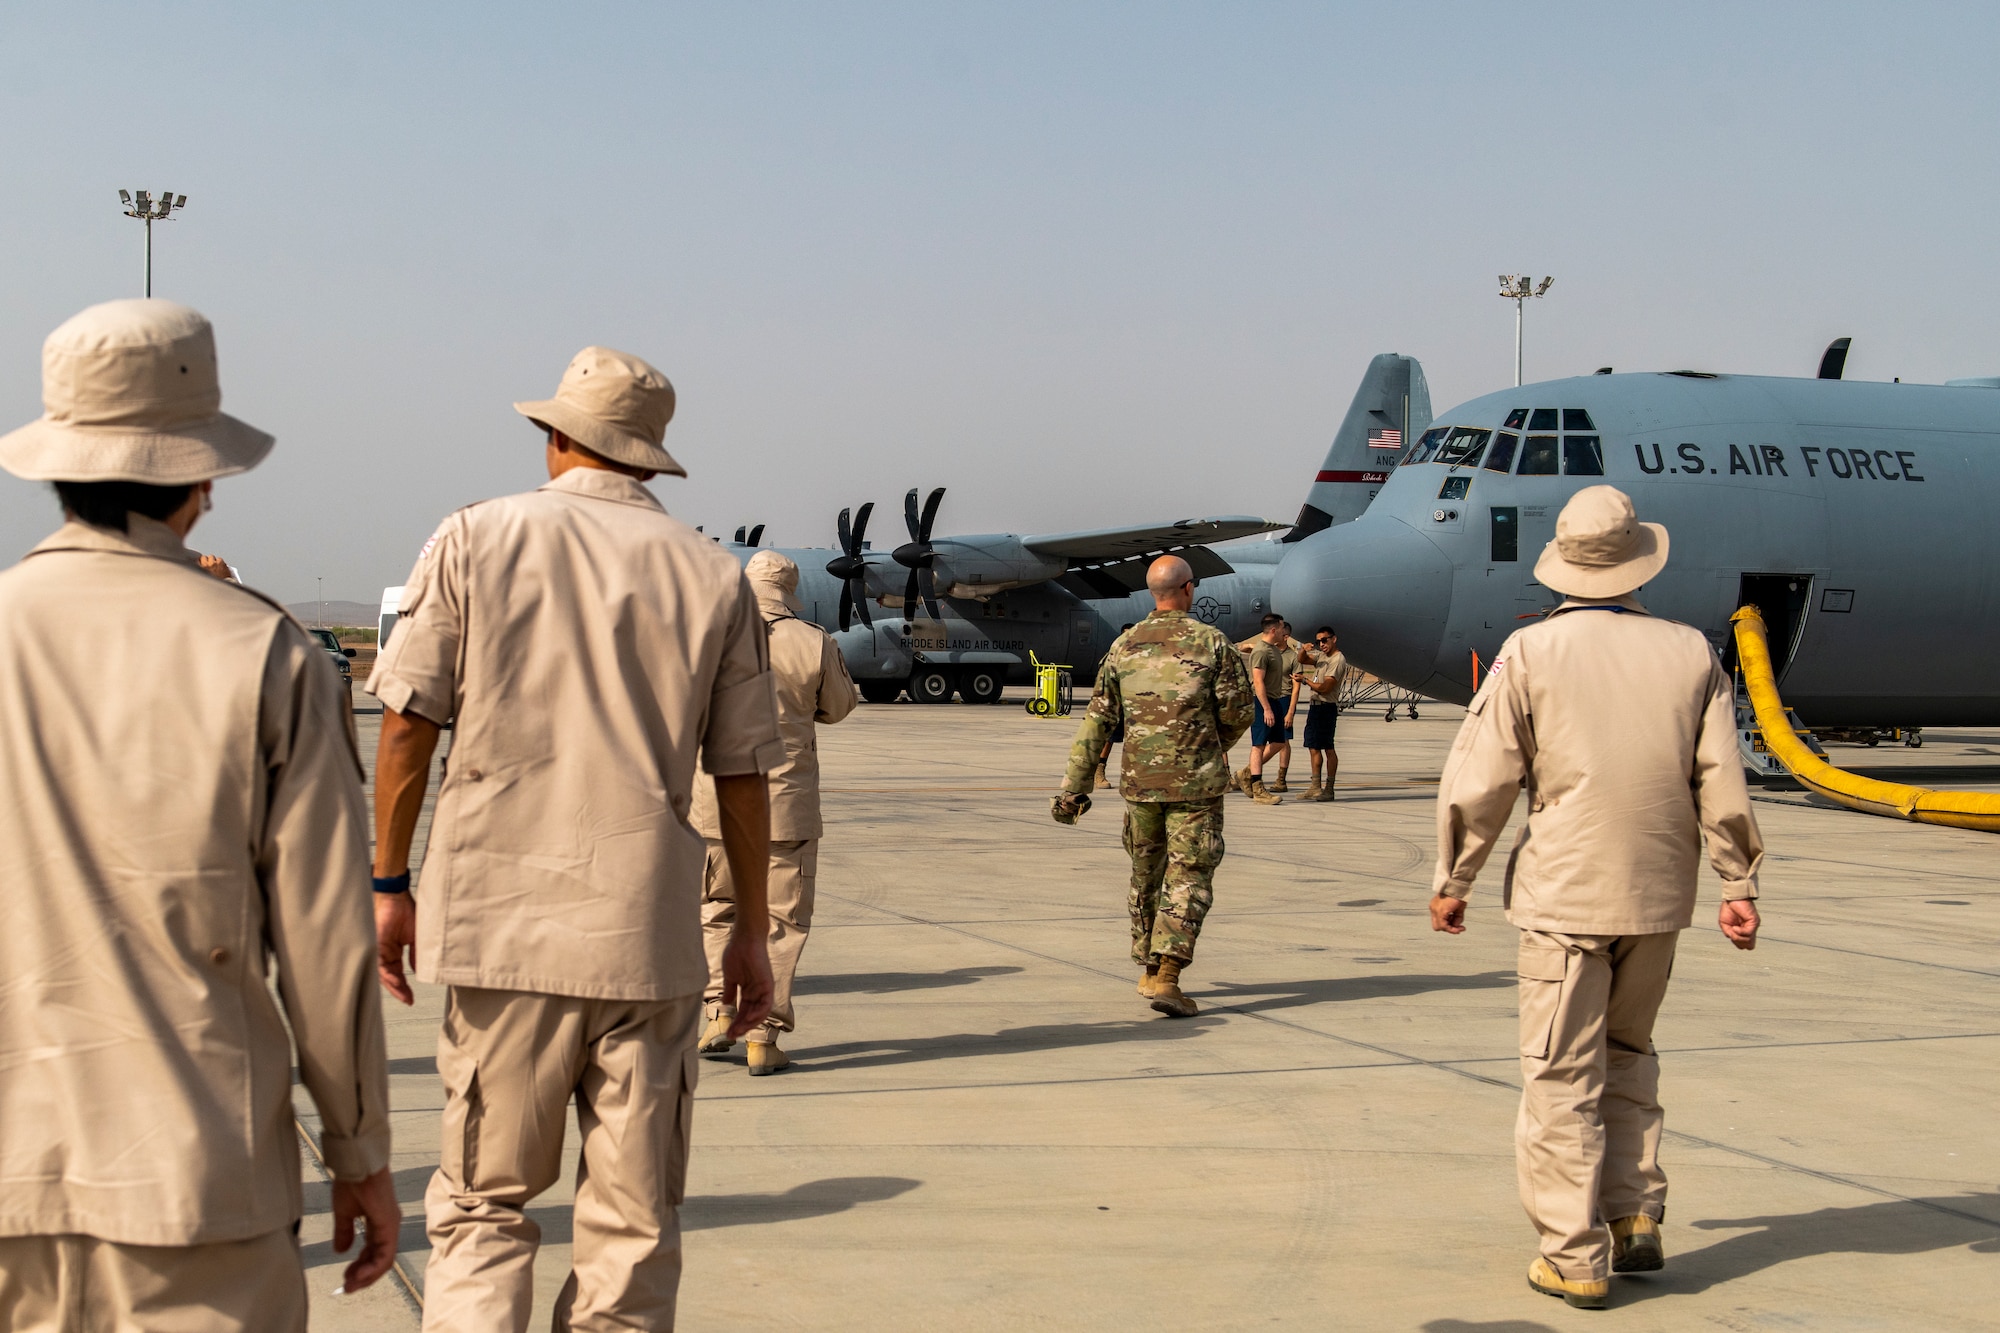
(1520, 288)
(150, 210)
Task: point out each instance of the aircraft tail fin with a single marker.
(1390, 409)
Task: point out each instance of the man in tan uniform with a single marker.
(813, 688)
(180, 809)
(1322, 671)
(586, 646)
(1622, 728)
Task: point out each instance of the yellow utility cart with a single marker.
(1052, 687)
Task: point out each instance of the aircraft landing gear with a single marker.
(880, 691)
(980, 685)
(930, 685)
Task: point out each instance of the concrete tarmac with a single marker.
(986, 1128)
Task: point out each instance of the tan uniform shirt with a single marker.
(1324, 677)
(587, 646)
(1623, 729)
(179, 808)
(812, 687)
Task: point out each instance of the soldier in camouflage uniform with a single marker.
(1182, 694)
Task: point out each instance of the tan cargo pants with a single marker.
(1587, 1144)
(794, 868)
(80, 1284)
(511, 1061)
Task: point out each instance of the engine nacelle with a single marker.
(980, 566)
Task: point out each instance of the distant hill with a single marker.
(337, 613)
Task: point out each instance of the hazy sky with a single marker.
(1083, 264)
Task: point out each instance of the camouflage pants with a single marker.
(1175, 847)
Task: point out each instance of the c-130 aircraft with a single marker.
(1856, 516)
(939, 616)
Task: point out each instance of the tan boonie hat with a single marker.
(774, 575)
(129, 393)
(1601, 548)
(613, 404)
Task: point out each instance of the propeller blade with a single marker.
(910, 596)
(910, 515)
(757, 535)
(928, 582)
(738, 538)
(846, 605)
(930, 513)
(840, 526)
(860, 586)
(861, 527)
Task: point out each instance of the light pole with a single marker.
(150, 210)
(1518, 290)
(322, 601)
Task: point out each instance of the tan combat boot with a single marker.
(1240, 780)
(715, 1038)
(1255, 789)
(1542, 1276)
(1167, 997)
(1103, 782)
(1311, 793)
(1636, 1247)
(1281, 784)
(765, 1057)
(1149, 980)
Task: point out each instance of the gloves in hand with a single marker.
(1068, 805)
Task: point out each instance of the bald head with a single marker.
(1171, 581)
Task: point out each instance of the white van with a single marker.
(391, 599)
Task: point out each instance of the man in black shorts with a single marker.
(1319, 679)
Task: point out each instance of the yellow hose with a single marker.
(1894, 800)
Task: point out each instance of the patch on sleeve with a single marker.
(432, 541)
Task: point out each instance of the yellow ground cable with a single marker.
(1893, 800)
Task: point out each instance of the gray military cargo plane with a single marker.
(944, 616)
(1857, 516)
(939, 616)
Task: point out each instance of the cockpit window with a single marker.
(1454, 488)
(1463, 447)
(1583, 456)
(1517, 418)
(1538, 456)
(1575, 418)
(1501, 456)
(1423, 448)
(1544, 419)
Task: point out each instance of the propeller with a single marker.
(851, 567)
(918, 555)
(751, 537)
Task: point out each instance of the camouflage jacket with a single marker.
(1184, 695)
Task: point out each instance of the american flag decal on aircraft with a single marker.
(1385, 437)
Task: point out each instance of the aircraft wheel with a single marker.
(880, 691)
(929, 685)
(980, 686)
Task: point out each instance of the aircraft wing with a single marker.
(1109, 544)
(1111, 562)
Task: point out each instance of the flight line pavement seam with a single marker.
(1681, 1136)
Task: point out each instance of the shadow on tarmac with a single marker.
(891, 983)
(1486, 1326)
(1340, 990)
(706, 1212)
(1892, 1227)
(963, 1045)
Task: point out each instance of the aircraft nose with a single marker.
(1383, 586)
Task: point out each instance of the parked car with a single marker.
(332, 645)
